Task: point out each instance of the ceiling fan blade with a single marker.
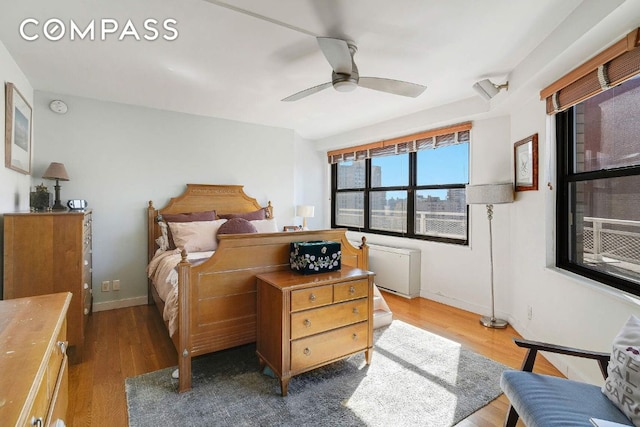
(307, 92)
(337, 53)
(396, 87)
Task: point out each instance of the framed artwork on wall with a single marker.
(525, 158)
(17, 144)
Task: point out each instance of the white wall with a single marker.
(119, 157)
(14, 191)
(14, 186)
(310, 174)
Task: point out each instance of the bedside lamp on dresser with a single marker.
(58, 172)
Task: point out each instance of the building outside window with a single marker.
(413, 189)
(599, 187)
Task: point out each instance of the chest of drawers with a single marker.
(34, 383)
(50, 252)
(305, 322)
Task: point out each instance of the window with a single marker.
(599, 187)
(411, 187)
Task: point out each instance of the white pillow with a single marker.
(265, 225)
(196, 236)
(624, 371)
(163, 241)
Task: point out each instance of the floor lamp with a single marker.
(490, 194)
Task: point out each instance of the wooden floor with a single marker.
(132, 341)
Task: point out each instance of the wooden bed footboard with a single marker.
(217, 299)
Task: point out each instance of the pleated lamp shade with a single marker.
(56, 171)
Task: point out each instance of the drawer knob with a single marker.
(352, 290)
(38, 422)
(307, 351)
(355, 310)
(312, 297)
(355, 337)
(307, 323)
(63, 345)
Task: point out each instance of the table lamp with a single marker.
(59, 173)
(305, 211)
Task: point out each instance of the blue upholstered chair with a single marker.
(548, 401)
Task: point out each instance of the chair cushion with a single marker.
(546, 401)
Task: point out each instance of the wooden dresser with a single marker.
(50, 252)
(33, 360)
(305, 322)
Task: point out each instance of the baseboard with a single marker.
(453, 302)
(121, 303)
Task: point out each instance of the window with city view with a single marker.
(599, 187)
(414, 189)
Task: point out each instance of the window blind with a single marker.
(609, 68)
(434, 138)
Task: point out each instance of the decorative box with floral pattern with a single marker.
(315, 257)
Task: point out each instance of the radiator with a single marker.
(397, 269)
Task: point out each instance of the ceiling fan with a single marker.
(345, 76)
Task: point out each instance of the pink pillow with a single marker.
(249, 216)
(237, 226)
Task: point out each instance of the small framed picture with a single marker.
(525, 158)
(17, 145)
(290, 228)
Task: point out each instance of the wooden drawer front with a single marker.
(322, 319)
(56, 357)
(86, 303)
(40, 403)
(315, 350)
(311, 297)
(351, 290)
(87, 262)
(53, 369)
(86, 233)
(60, 398)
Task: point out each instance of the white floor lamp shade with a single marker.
(490, 194)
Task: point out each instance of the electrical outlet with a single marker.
(105, 286)
(116, 285)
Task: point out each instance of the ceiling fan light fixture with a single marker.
(345, 86)
(345, 76)
(487, 90)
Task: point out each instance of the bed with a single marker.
(215, 298)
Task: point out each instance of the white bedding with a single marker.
(162, 272)
(162, 268)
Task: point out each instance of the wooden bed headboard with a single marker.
(224, 199)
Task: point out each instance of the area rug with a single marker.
(415, 378)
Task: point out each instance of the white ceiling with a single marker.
(230, 64)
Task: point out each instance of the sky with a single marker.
(445, 165)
